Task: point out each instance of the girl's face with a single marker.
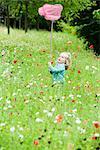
(61, 59)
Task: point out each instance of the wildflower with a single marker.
(81, 130)
(71, 96)
(21, 129)
(15, 61)
(79, 96)
(79, 71)
(74, 110)
(59, 118)
(91, 46)
(41, 92)
(8, 102)
(78, 121)
(96, 124)
(3, 52)
(87, 68)
(38, 120)
(37, 113)
(69, 42)
(73, 101)
(0, 98)
(36, 142)
(2, 124)
(69, 81)
(12, 129)
(21, 136)
(52, 62)
(95, 136)
(53, 109)
(65, 134)
(45, 111)
(49, 114)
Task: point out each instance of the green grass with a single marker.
(28, 103)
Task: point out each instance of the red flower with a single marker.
(36, 142)
(73, 101)
(51, 62)
(94, 137)
(59, 118)
(91, 46)
(15, 61)
(79, 71)
(41, 92)
(96, 124)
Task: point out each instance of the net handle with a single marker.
(51, 36)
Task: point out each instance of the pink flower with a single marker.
(51, 12)
(91, 46)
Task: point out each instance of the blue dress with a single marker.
(57, 72)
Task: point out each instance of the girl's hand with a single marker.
(49, 63)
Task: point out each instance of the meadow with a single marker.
(33, 114)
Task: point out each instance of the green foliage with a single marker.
(96, 14)
(66, 27)
(70, 11)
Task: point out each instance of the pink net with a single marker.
(51, 12)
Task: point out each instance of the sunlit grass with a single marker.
(29, 106)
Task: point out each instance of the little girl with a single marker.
(58, 71)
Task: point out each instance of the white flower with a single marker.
(12, 129)
(74, 110)
(14, 94)
(5, 108)
(21, 129)
(78, 121)
(87, 68)
(50, 97)
(71, 96)
(39, 75)
(21, 136)
(39, 120)
(37, 113)
(97, 134)
(9, 106)
(55, 121)
(41, 101)
(63, 97)
(69, 81)
(0, 98)
(8, 102)
(45, 86)
(79, 102)
(45, 111)
(69, 115)
(19, 90)
(79, 96)
(65, 113)
(2, 124)
(81, 130)
(94, 67)
(65, 133)
(49, 114)
(53, 109)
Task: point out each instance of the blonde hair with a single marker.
(67, 56)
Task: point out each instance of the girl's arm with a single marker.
(55, 69)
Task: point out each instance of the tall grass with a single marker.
(34, 115)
